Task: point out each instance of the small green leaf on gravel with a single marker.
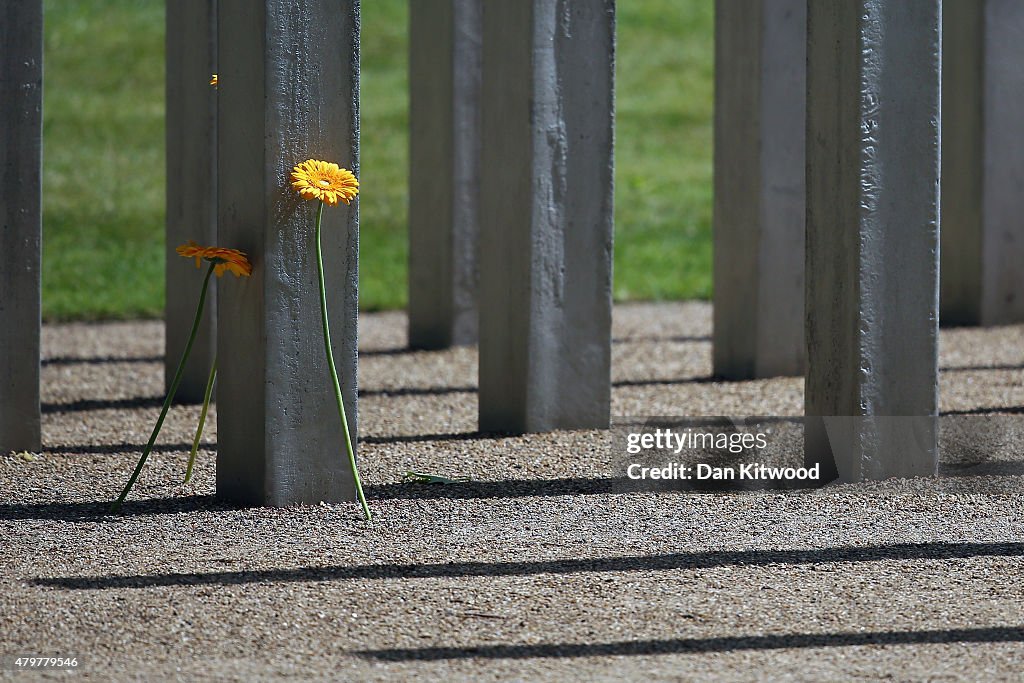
(425, 478)
(25, 456)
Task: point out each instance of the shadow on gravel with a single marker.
(417, 391)
(405, 350)
(441, 391)
(703, 379)
(137, 448)
(993, 410)
(981, 368)
(996, 468)
(394, 351)
(103, 404)
(510, 488)
(97, 511)
(680, 339)
(998, 634)
(100, 360)
(672, 561)
(422, 438)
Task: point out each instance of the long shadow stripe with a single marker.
(100, 360)
(702, 560)
(98, 511)
(102, 404)
(86, 449)
(986, 410)
(999, 634)
(418, 391)
(507, 488)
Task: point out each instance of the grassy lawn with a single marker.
(104, 155)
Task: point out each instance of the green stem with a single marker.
(116, 506)
(334, 371)
(202, 420)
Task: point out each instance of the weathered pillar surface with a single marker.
(872, 235)
(289, 85)
(21, 106)
(983, 162)
(546, 214)
(191, 186)
(760, 83)
(444, 168)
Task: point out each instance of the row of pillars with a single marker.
(542, 185)
(827, 173)
(761, 164)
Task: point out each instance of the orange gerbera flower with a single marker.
(323, 180)
(224, 259)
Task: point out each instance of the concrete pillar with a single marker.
(444, 171)
(872, 236)
(760, 83)
(289, 85)
(191, 186)
(983, 162)
(546, 214)
(21, 107)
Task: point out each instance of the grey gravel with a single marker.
(535, 570)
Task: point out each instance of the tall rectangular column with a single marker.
(444, 171)
(191, 49)
(983, 162)
(760, 83)
(872, 236)
(21, 107)
(289, 85)
(546, 214)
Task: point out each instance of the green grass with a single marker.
(664, 85)
(103, 179)
(103, 159)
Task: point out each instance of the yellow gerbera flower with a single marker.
(328, 182)
(224, 259)
(213, 80)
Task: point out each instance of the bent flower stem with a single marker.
(116, 506)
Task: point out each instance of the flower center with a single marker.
(323, 183)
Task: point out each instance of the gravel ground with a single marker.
(538, 569)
